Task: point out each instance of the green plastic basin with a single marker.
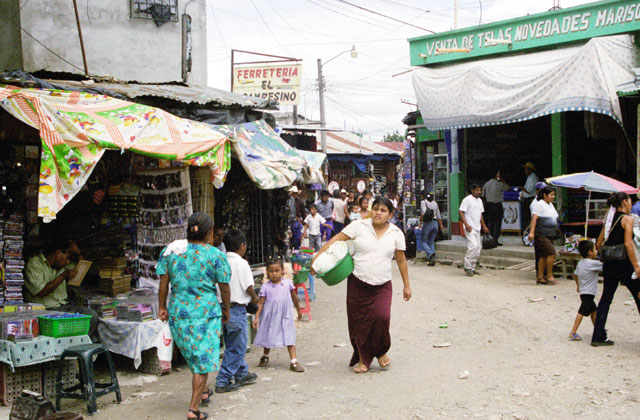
(338, 273)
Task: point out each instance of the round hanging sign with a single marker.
(361, 186)
(333, 185)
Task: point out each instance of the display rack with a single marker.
(441, 190)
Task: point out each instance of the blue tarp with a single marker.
(362, 161)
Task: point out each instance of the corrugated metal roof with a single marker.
(395, 146)
(186, 94)
(349, 143)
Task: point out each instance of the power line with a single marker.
(347, 16)
(12, 18)
(383, 15)
(51, 51)
(269, 28)
(226, 49)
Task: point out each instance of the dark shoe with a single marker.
(264, 361)
(296, 367)
(468, 272)
(432, 260)
(247, 379)
(476, 272)
(227, 388)
(201, 415)
(602, 343)
(499, 244)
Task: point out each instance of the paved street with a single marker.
(520, 364)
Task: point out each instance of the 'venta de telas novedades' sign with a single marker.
(280, 83)
(542, 30)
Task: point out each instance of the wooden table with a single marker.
(568, 261)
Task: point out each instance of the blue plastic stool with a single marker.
(311, 290)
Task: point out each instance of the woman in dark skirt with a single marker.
(544, 224)
(376, 243)
(620, 231)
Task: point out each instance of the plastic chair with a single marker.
(87, 389)
(307, 306)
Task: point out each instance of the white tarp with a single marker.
(516, 88)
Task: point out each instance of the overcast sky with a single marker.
(361, 93)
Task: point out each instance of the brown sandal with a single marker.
(296, 367)
(264, 361)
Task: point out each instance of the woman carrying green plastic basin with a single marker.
(376, 242)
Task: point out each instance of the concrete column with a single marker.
(559, 153)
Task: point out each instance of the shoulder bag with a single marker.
(611, 253)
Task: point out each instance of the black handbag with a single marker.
(611, 253)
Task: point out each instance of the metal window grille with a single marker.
(160, 11)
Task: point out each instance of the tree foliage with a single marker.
(394, 137)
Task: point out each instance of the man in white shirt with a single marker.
(234, 367)
(470, 213)
(340, 207)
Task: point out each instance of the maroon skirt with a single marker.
(369, 315)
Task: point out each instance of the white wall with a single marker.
(126, 49)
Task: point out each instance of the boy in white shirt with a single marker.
(312, 225)
(233, 366)
(470, 213)
(586, 277)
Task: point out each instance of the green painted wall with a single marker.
(559, 153)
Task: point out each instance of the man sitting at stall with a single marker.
(47, 273)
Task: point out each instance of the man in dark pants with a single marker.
(494, 210)
(528, 192)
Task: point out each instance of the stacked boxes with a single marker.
(12, 232)
(136, 312)
(113, 280)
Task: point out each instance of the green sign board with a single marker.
(539, 31)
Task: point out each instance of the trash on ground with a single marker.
(340, 345)
(444, 325)
(536, 300)
(442, 345)
(464, 375)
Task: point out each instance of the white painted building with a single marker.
(121, 38)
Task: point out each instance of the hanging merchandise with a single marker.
(164, 207)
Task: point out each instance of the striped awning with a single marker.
(517, 88)
(76, 128)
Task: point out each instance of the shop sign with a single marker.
(280, 83)
(539, 31)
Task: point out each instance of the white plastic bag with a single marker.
(164, 343)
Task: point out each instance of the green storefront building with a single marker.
(557, 89)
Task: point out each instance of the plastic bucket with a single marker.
(338, 273)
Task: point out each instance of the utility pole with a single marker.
(455, 14)
(323, 135)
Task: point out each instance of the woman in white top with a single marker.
(376, 242)
(544, 223)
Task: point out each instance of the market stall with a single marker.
(123, 208)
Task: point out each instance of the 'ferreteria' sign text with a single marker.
(542, 30)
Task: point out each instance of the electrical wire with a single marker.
(269, 28)
(12, 18)
(215, 19)
(480, 20)
(51, 51)
(383, 15)
(347, 16)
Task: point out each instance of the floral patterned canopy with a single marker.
(76, 128)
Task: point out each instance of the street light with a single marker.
(323, 135)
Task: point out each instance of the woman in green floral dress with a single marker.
(193, 267)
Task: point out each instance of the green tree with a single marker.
(394, 137)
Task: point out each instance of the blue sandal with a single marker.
(574, 337)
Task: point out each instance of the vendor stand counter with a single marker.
(32, 364)
(137, 341)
